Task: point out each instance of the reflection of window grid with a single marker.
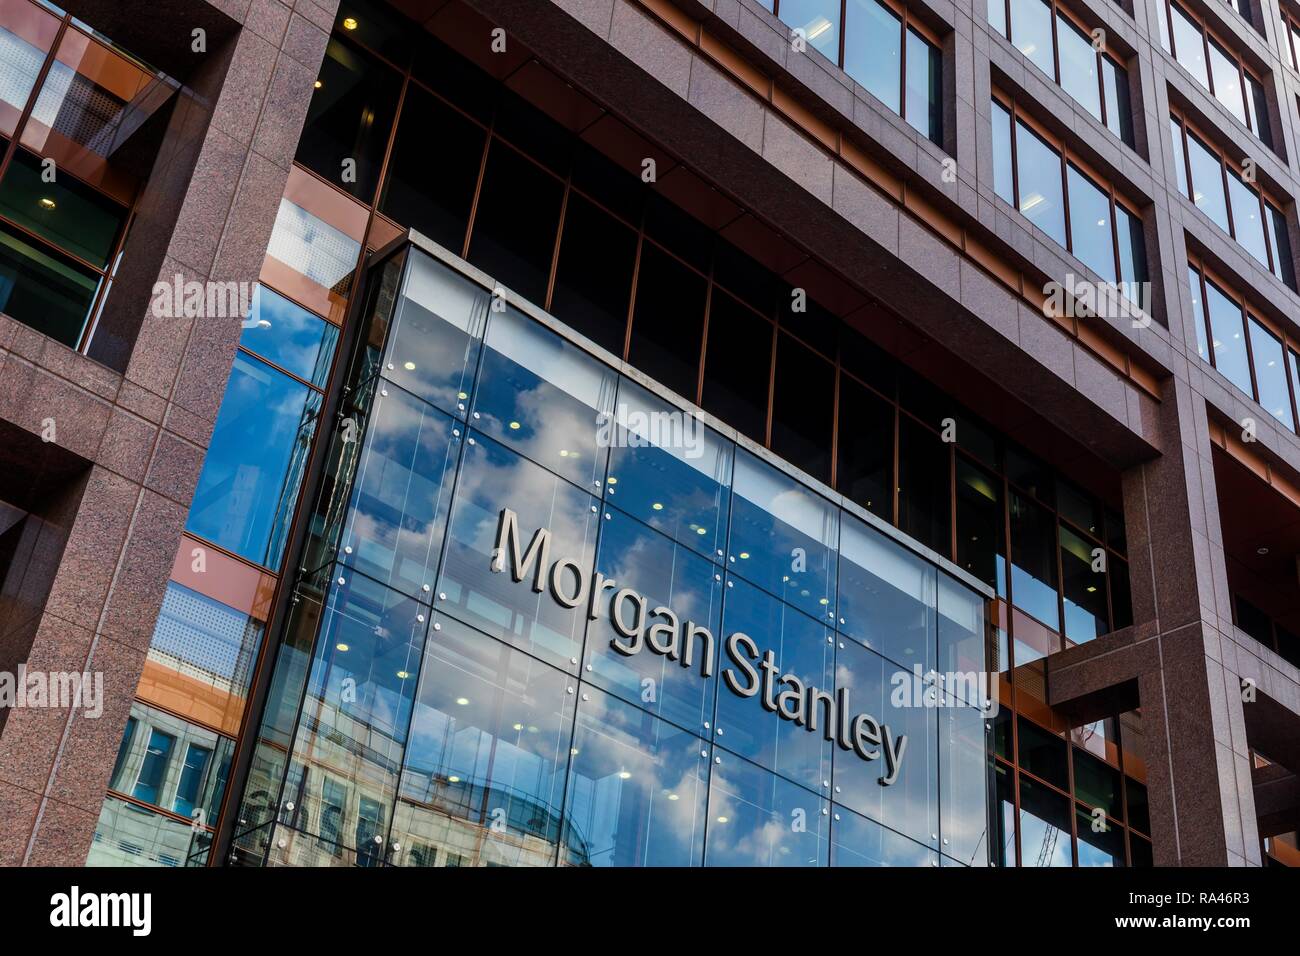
(20, 62)
(313, 248)
(78, 108)
(205, 639)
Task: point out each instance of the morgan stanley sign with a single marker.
(659, 631)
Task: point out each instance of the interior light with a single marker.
(1261, 551)
(574, 751)
(453, 779)
(409, 366)
(673, 796)
(350, 23)
(263, 324)
(319, 84)
(519, 726)
(1035, 200)
(701, 531)
(817, 28)
(564, 453)
(722, 819)
(824, 601)
(657, 506)
(1092, 589)
(403, 674)
(744, 555)
(462, 701)
(342, 647)
(514, 426)
(47, 203)
(462, 395)
(612, 480)
(623, 775)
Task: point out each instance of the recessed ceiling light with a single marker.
(462, 701)
(350, 23)
(409, 366)
(722, 819)
(319, 84)
(342, 647)
(1261, 551)
(623, 775)
(673, 796)
(514, 426)
(47, 203)
(657, 506)
(453, 779)
(403, 674)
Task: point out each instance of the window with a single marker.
(1036, 176)
(1247, 351)
(897, 59)
(1095, 79)
(1241, 209)
(153, 769)
(1213, 64)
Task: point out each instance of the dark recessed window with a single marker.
(593, 283)
(516, 223)
(43, 289)
(803, 408)
(979, 525)
(738, 366)
(350, 117)
(924, 485)
(1033, 561)
(866, 449)
(668, 322)
(433, 170)
(1042, 753)
(67, 212)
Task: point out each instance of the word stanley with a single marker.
(752, 674)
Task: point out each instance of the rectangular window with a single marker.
(1038, 166)
(875, 58)
(193, 772)
(1078, 65)
(1090, 228)
(924, 105)
(1031, 32)
(1003, 157)
(1206, 170)
(1270, 374)
(1247, 221)
(1229, 338)
(153, 769)
(1189, 45)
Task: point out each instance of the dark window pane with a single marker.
(612, 187)
(1139, 815)
(1198, 313)
(248, 486)
(1078, 65)
(1033, 561)
(1270, 374)
(1230, 356)
(668, 323)
(1031, 32)
(1078, 507)
(866, 449)
(1097, 784)
(751, 282)
(674, 229)
(1254, 622)
(433, 170)
(153, 770)
(1039, 169)
(873, 37)
(1132, 258)
(862, 357)
(593, 282)
(1044, 827)
(924, 485)
(1279, 236)
(1101, 843)
(924, 87)
(1257, 110)
(1029, 474)
(979, 525)
(803, 408)
(526, 127)
(736, 376)
(1043, 754)
(1180, 161)
(289, 336)
(70, 214)
(1119, 109)
(1090, 235)
(43, 289)
(1002, 817)
(1084, 589)
(516, 223)
(350, 117)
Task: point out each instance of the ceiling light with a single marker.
(350, 23)
(673, 796)
(701, 531)
(519, 726)
(319, 84)
(453, 779)
(657, 506)
(1261, 551)
(623, 775)
(564, 453)
(47, 203)
(462, 701)
(744, 555)
(403, 674)
(342, 647)
(722, 819)
(612, 480)
(409, 366)
(514, 426)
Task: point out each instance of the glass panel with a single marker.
(249, 484)
(311, 249)
(749, 726)
(1079, 507)
(545, 398)
(637, 789)
(399, 501)
(962, 659)
(1227, 80)
(1189, 45)
(873, 50)
(1090, 235)
(1119, 109)
(964, 785)
(153, 767)
(670, 471)
(516, 223)
(433, 346)
(1198, 314)
(1180, 160)
(1247, 221)
(1044, 827)
(910, 805)
(980, 530)
(1043, 754)
(924, 87)
(1003, 173)
(803, 408)
(866, 450)
(1230, 356)
(1039, 168)
(68, 213)
(737, 391)
(758, 819)
(887, 596)
(1033, 561)
(1097, 785)
(1162, 21)
(493, 478)
(130, 835)
(1257, 109)
(26, 36)
(488, 749)
(1031, 32)
(356, 712)
(1139, 814)
(193, 770)
(1084, 589)
(663, 666)
(1101, 843)
(1078, 65)
(924, 486)
(1207, 181)
(43, 289)
(593, 281)
(858, 841)
(350, 117)
(819, 21)
(997, 15)
(1132, 257)
(433, 169)
(668, 322)
(1279, 236)
(1270, 374)
(289, 336)
(783, 537)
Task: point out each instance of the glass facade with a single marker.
(448, 714)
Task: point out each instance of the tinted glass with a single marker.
(1230, 356)
(1078, 65)
(980, 525)
(866, 450)
(1084, 589)
(872, 53)
(1044, 826)
(924, 87)
(758, 819)
(44, 289)
(1119, 109)
(1279, 237)
(803, 408)
(1039, 168)
(1003, 173)
(924, 485)
(736, 383)
(1033, 561)
(1031, 32)
(289, 336)
(67, 212)
(668, 321)
(593, 281)
(1090, 227)
(1132, 257)
(1270, 374)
